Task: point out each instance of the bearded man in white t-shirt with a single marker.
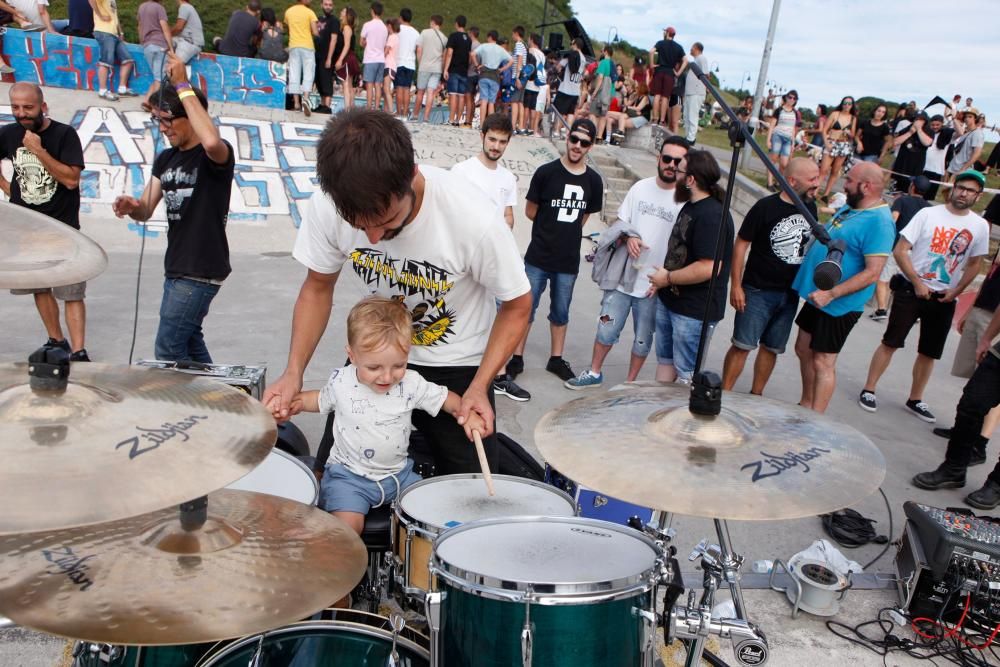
(419, 235)
(645, 219)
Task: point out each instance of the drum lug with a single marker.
(432, 611)
(649, 622)
(526, 643)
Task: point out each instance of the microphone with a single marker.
(829, 272)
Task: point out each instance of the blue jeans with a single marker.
(457, 84)
(766, 320)
(112, 49)
(615, 307)
(488, 89)
(344, 491)
(184, 306)
(677, 338)
(156, 56)
(868, 158)
(301, 70)
(562, 292)
(781, 145)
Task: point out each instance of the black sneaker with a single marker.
(52, 342)
(560, 368)
(919, 408)
(985, 498)
(879, 315)
(867, 401)
(80, 355)
(942, 433)
(515, 366)
(507, 387)
(947, 476)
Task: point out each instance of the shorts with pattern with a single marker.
(840, 149)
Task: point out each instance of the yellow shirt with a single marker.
(110, 8)
(299, 20)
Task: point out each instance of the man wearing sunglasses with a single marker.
(939, 253)
(194, 177)
(645, 220)
(562, 195)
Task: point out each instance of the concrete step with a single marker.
(612, 172)
(602, 159)
(619, 184)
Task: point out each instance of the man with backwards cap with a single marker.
(939, 253)
(194, 177)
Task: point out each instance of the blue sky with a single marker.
(899, 51)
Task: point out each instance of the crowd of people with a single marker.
(455, 299)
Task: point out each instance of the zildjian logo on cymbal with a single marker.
(158, 436)
(779, 463)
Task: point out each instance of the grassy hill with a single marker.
(501, 16)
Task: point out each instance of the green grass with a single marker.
(501, 16)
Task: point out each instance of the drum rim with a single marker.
(546, 592)
(213, 657)
(432, 531)
(297, 462)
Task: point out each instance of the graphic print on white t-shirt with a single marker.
(943, 243)
(789, 239)
(571, 203)
(651, 211)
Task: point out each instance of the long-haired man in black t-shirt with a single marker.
(194, 177)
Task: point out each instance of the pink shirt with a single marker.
(391, 49)
(375, 34)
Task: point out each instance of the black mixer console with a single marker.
(949, 537)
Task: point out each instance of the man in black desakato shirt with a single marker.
(562, 195)
(47, 159)
(194, 177)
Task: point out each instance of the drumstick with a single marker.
(483, 463)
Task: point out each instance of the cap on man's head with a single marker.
(584, 125)
(973, 110)
(670, 30)
(972, 175)
(920, 184)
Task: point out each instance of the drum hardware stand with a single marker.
(432, 612)
(527, 640)
(694, 621)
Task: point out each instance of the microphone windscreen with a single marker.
(827, 274)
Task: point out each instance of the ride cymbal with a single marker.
(119, 442)
(760, 459)
(39, 251)
(258, 563)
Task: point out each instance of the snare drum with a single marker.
(544, 591)
(596, 505)
(427, 508)
(354, 638)
(283, 475)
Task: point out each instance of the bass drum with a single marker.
(351, 639)
(103, 655)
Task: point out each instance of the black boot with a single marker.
(947, 476)
(985, 498)
(978, 456)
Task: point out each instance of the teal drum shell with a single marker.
(323, 644)
(186, 655)
(579, 590)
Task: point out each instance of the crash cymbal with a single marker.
(759, 459)
(39, 251)
(258, 563)
(120, 442)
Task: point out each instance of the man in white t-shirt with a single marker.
(936, 153)
(500, 184)
(406, 61)
(968, 142)
(939, 253)
(646, 217)
(430, 63)
(414, 234)
(694, 93)
(35, 11)
(534, 88)
(374, 35)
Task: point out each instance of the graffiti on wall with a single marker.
(71, 62)
(275, 160)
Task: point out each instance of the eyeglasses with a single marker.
(166, 120)
(666, 159)
(965, 190)
(573, 139)
(793, 97)
(849, 104)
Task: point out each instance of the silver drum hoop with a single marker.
(542, 592)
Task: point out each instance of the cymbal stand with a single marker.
(694, 621)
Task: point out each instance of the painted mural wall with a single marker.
(71, 62)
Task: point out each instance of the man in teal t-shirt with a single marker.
(601, 99)
(865, 226)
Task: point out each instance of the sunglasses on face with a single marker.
(666, 159)
(584, 143)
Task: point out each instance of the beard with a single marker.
(961, 204)
(33, 123)
(682, 193)
(667, 176)
(854, 198)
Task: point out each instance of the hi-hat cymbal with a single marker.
(759, 459)
(120, 442)
(39, 251)
(258, 563)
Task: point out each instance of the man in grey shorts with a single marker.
(47, 159)
(430, 64)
